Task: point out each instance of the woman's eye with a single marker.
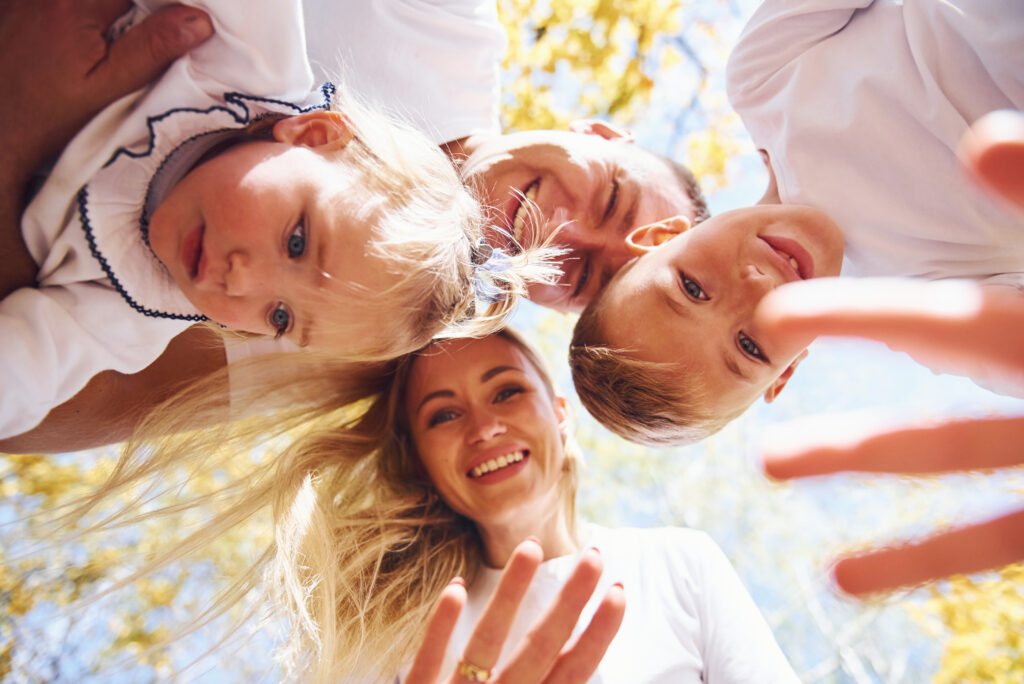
(442, 416)
(750, 347)
(692, 288)
(612, 199)
(280, 320)
(297, 240)
(507, 393)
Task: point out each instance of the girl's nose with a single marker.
(241, 278)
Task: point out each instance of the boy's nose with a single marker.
(755, 281)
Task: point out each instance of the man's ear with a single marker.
(608, 131)
(645, 238)
(776, 387)
(319, 129)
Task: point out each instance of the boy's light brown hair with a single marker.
(650, 403)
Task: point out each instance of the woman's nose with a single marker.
(485, 426)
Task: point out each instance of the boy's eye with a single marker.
(297, 240)
(612, 199)
(507, 393)
(750, 347)
(692, 288)
(280, 320)
(442, 416)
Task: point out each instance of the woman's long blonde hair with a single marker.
(363, 543)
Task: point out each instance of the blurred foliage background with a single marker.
(655, 65)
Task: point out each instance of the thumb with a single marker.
(143, 53)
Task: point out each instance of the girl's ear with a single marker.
(322, 130)
(646, 238)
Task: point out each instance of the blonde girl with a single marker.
(227, 192)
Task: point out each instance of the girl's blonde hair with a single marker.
(428, 232)
(363, 542)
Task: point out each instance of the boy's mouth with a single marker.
(793, 253)
(192, 250)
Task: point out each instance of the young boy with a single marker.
(668, 352)
(858, 108)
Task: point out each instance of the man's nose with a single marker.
(241, 278)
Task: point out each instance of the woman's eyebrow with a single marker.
(496, 371)
(434, 395)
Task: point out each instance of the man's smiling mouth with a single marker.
(523, 211)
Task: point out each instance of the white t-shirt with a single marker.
(104, 301)
(688, 617)
(433, 62)
(860, 106)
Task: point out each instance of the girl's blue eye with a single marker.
(297, 241)
(692, 288)
(507, 393)
(750, 347)
(280, 318)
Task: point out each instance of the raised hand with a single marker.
(957, 325)
(544, 655)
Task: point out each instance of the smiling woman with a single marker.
(465, 452)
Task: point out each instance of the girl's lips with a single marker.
(192, 251)
(788, 247)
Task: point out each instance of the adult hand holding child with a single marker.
(57, 59)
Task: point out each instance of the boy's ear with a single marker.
(776, 387)
(320, 129)
(608, 131)
(645, 238)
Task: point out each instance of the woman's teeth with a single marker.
(519, 221)
(497, 463)
(796, 266)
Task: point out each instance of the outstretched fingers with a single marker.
(426, 668)
(540, 648)
(952, 324)
(983, 546)
(484, 646)
(957, 444)
(577, 663)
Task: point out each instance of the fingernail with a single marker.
(595, 550)
(457, 580)
(195, 28)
